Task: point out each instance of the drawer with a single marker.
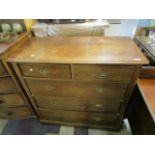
(78, 117)
(77, 89)
(53, 71)
(103, 72)
(7, 85)
(77, 104)
(14, 112)
(11, 100)
(2, 70)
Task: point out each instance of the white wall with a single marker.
(126, 28)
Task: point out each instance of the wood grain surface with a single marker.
(89, 50)
(147, 89)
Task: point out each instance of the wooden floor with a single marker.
(32, 126)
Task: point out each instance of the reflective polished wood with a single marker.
(147, 89)
(80, 69)
(87, 50)
(141, 110)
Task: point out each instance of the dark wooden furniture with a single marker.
(145, 44)
(147, 47)
(13, 101)
(141, 107)
(144, 31)
(142, 114)
(84, 81)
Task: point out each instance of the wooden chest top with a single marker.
(80, 50)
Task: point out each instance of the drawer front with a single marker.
(2, 70)
(78, 117)
(53, 71)
(77, 89)
(7, 85)
(11, 100)
(77, 104)
(17, 112)
(103, 72)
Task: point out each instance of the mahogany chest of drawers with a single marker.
(83, 81)
(13, 101)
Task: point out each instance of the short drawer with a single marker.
(77, 89)
(7, 85)
(17, 112)
(78, 117)
(11, 100)
(77, 104)
(54, 71)
(2, 70)
(103, 72)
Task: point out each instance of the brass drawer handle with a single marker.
(99, 90)
(97, 119)
(103, 76)
(44, 72)
(53, 102)
(98, 105)
(49, 88)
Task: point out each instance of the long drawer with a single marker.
(7, 85)
(78, 117)
(77, 89)
(54, 71)
(11, 100)
(115, 73)
(2, 70)
(17, 112)
(77, 104)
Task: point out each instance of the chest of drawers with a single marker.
(13, 101)
(83, 81)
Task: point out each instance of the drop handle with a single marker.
(44, 72)
(98, 105)
(103, 75)
(97, 119)
(99, 90)
(50, 88)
